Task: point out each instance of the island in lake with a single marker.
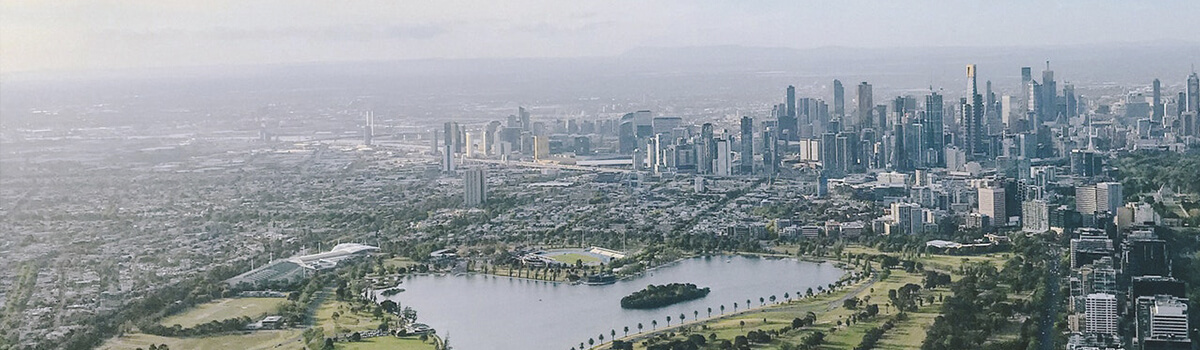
(658, 296)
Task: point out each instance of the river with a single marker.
(480, 312)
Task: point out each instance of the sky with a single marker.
(71, 35)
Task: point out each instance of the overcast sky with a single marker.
(99, 34)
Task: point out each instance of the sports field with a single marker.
(222, 309)
(274, 339)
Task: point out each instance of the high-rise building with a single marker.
(1169, 318)
(541, 147)
(839, 100)
(1085, 200)
(973, 118)
(1193, 94)
(1158, 108)
(369, 127)
(934, 125)
(1109, 197)
(790, 100)
(991, 204)
(723, 162)
(1101, 313)
(747, 150)
(526, 123)
(865, 106)
(475, 187)
(705, 150)
(1035, 216)
(1049, 102)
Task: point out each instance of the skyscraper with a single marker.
(1049, 102)
(475, 187)
(1193, 93)
(839, 100)
(790, 100)
(992, 205)
(973, 117)
(369, 127)
(865, 106)
(722, 163)
(1158, 110)
(747, 150)
(934, 128)
(1101, 313)
(706, 149)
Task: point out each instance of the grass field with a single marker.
(399, 262)
(224, 309)
(347, 320)
(388, 343)
(570, 258)
(907, 334)
(281, 339)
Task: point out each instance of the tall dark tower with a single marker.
(839, 100)
(865, 106)
(707, 149)
(1049, 102)
(973, 117)
(934, 125)
(747, 164)
(1193, 93)
(791, 101)
(1158, 110)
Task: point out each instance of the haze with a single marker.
(87, 35)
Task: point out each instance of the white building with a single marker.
(1168, 318)
(1109, 197)
(723, 163)
(1101, 313)
(991, 204)
(1036, 216)
(474, 187)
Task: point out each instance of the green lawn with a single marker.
(347, 321)
(571, 258)
(280, 339)
(389, 343)
(224, 309)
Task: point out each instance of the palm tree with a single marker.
(653, 324)
(601, 338)
(696, 314)
(626, 331)
(722, 309)
(734, 307)
(787, 297)
(613, 333)
(668, 321)
(710, 312)
(681, 318)
(761, 301)
(591, 341)
(639, 327)
(772, 299)
(747, 303)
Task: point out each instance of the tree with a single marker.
(329, 344)
(668, 321)
(722, 309)
(742, 324)
(591, 341)
(639, 326)
(696, 314)
(356, 337)
(653, 324)
(626, 331)
(761, 301)
(710, 312)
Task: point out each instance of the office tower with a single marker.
(1193, 94)
(1085, 200)
(526, 124)
(865, 106)
(475, 187)
(973, 118)
(1069, 101)
(369, 127)
(839, 100)
(723, 162)
(491, 138)
(880, 116)
(991, 204)
(829, 153)
(666, 125)
(1145, 255)
(1101, 313)
(1035, 216)
(747, 150)
(541, 147)
(899, 153)
(1159, 111)
(434, 150)
(934, 121)
(770, 151)
(1169, 318)
(1049, 102)
(1109, 197)
(907, 217)
(469, 144)
(705, 149)
(790, 100)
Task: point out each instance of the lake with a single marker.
(480, 312)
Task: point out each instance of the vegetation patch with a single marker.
(658, 296)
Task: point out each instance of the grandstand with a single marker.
(295, 268)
